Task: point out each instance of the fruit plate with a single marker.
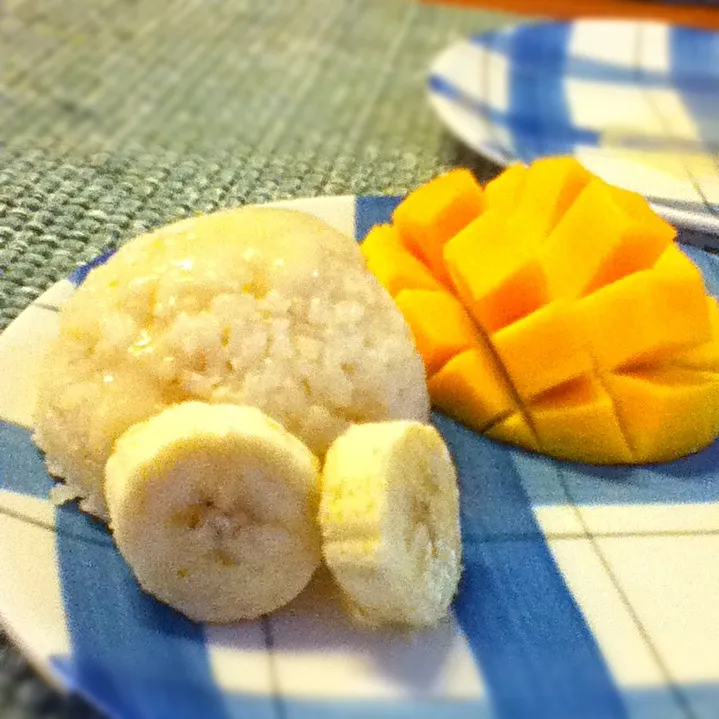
(587, 592)
(636, 102)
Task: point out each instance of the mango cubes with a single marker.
(555, 312)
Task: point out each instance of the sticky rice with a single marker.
(264, 307)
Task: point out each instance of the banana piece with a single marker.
(214, 507)
(389, 515)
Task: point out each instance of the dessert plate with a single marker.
(587, 592)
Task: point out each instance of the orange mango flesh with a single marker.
(440, 325)
(380, 240)
(666, 412)
(392, 264)
(578, 421)
(502, 193)
(570, 323)
(550, 187)
(637, 207)
(515, 429)
(704, 356)
(455, 390)
(661, 309)
(621, 244)
(496, 271)
(555, 329)
(434, 213)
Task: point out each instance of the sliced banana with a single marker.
(389, 515)
(214, 507)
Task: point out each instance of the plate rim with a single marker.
(682, 218)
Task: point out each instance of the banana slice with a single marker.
(214, 507)
(389, 515)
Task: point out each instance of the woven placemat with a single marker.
(117, 116)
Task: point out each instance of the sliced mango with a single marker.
(544, 349)
(556, 312)
(472, 388)
(704, 356)
(620, 244)
(637, 207)
(496, 272)
(515, 429)
(434, 213)
(381, 239)
(550, 187)
(503, 192)
(393, 265)
(577, 421)
(667, 412)
(673, 266)
(647, 314)
(440, 325)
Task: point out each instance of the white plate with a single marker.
(636, 102)
(586, 592)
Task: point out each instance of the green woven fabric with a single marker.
(120, 115)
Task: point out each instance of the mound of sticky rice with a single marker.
(256, 306)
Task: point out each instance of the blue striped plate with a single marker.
(636, 102)
(587, 592)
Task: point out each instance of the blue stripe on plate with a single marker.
(79, 275)
(690, 73)
(371, 211)
(702, 698)
(530, 638)
(22, 468)
(250, 706)
(655, 703)
(688, 480)
(494, 506)
(372, 709)
(131, 655)
(708, 263)
(645, 703)
(529, 130)
(546, 100)
(696, 53)
(539, 139)
(534, 132)
(540, 479)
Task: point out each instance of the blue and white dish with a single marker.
(636, 102)
(587, 592)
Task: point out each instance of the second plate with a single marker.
(636, 102)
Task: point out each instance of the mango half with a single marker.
(555, 312)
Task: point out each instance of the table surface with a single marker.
(696, 13)
(117, 116)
